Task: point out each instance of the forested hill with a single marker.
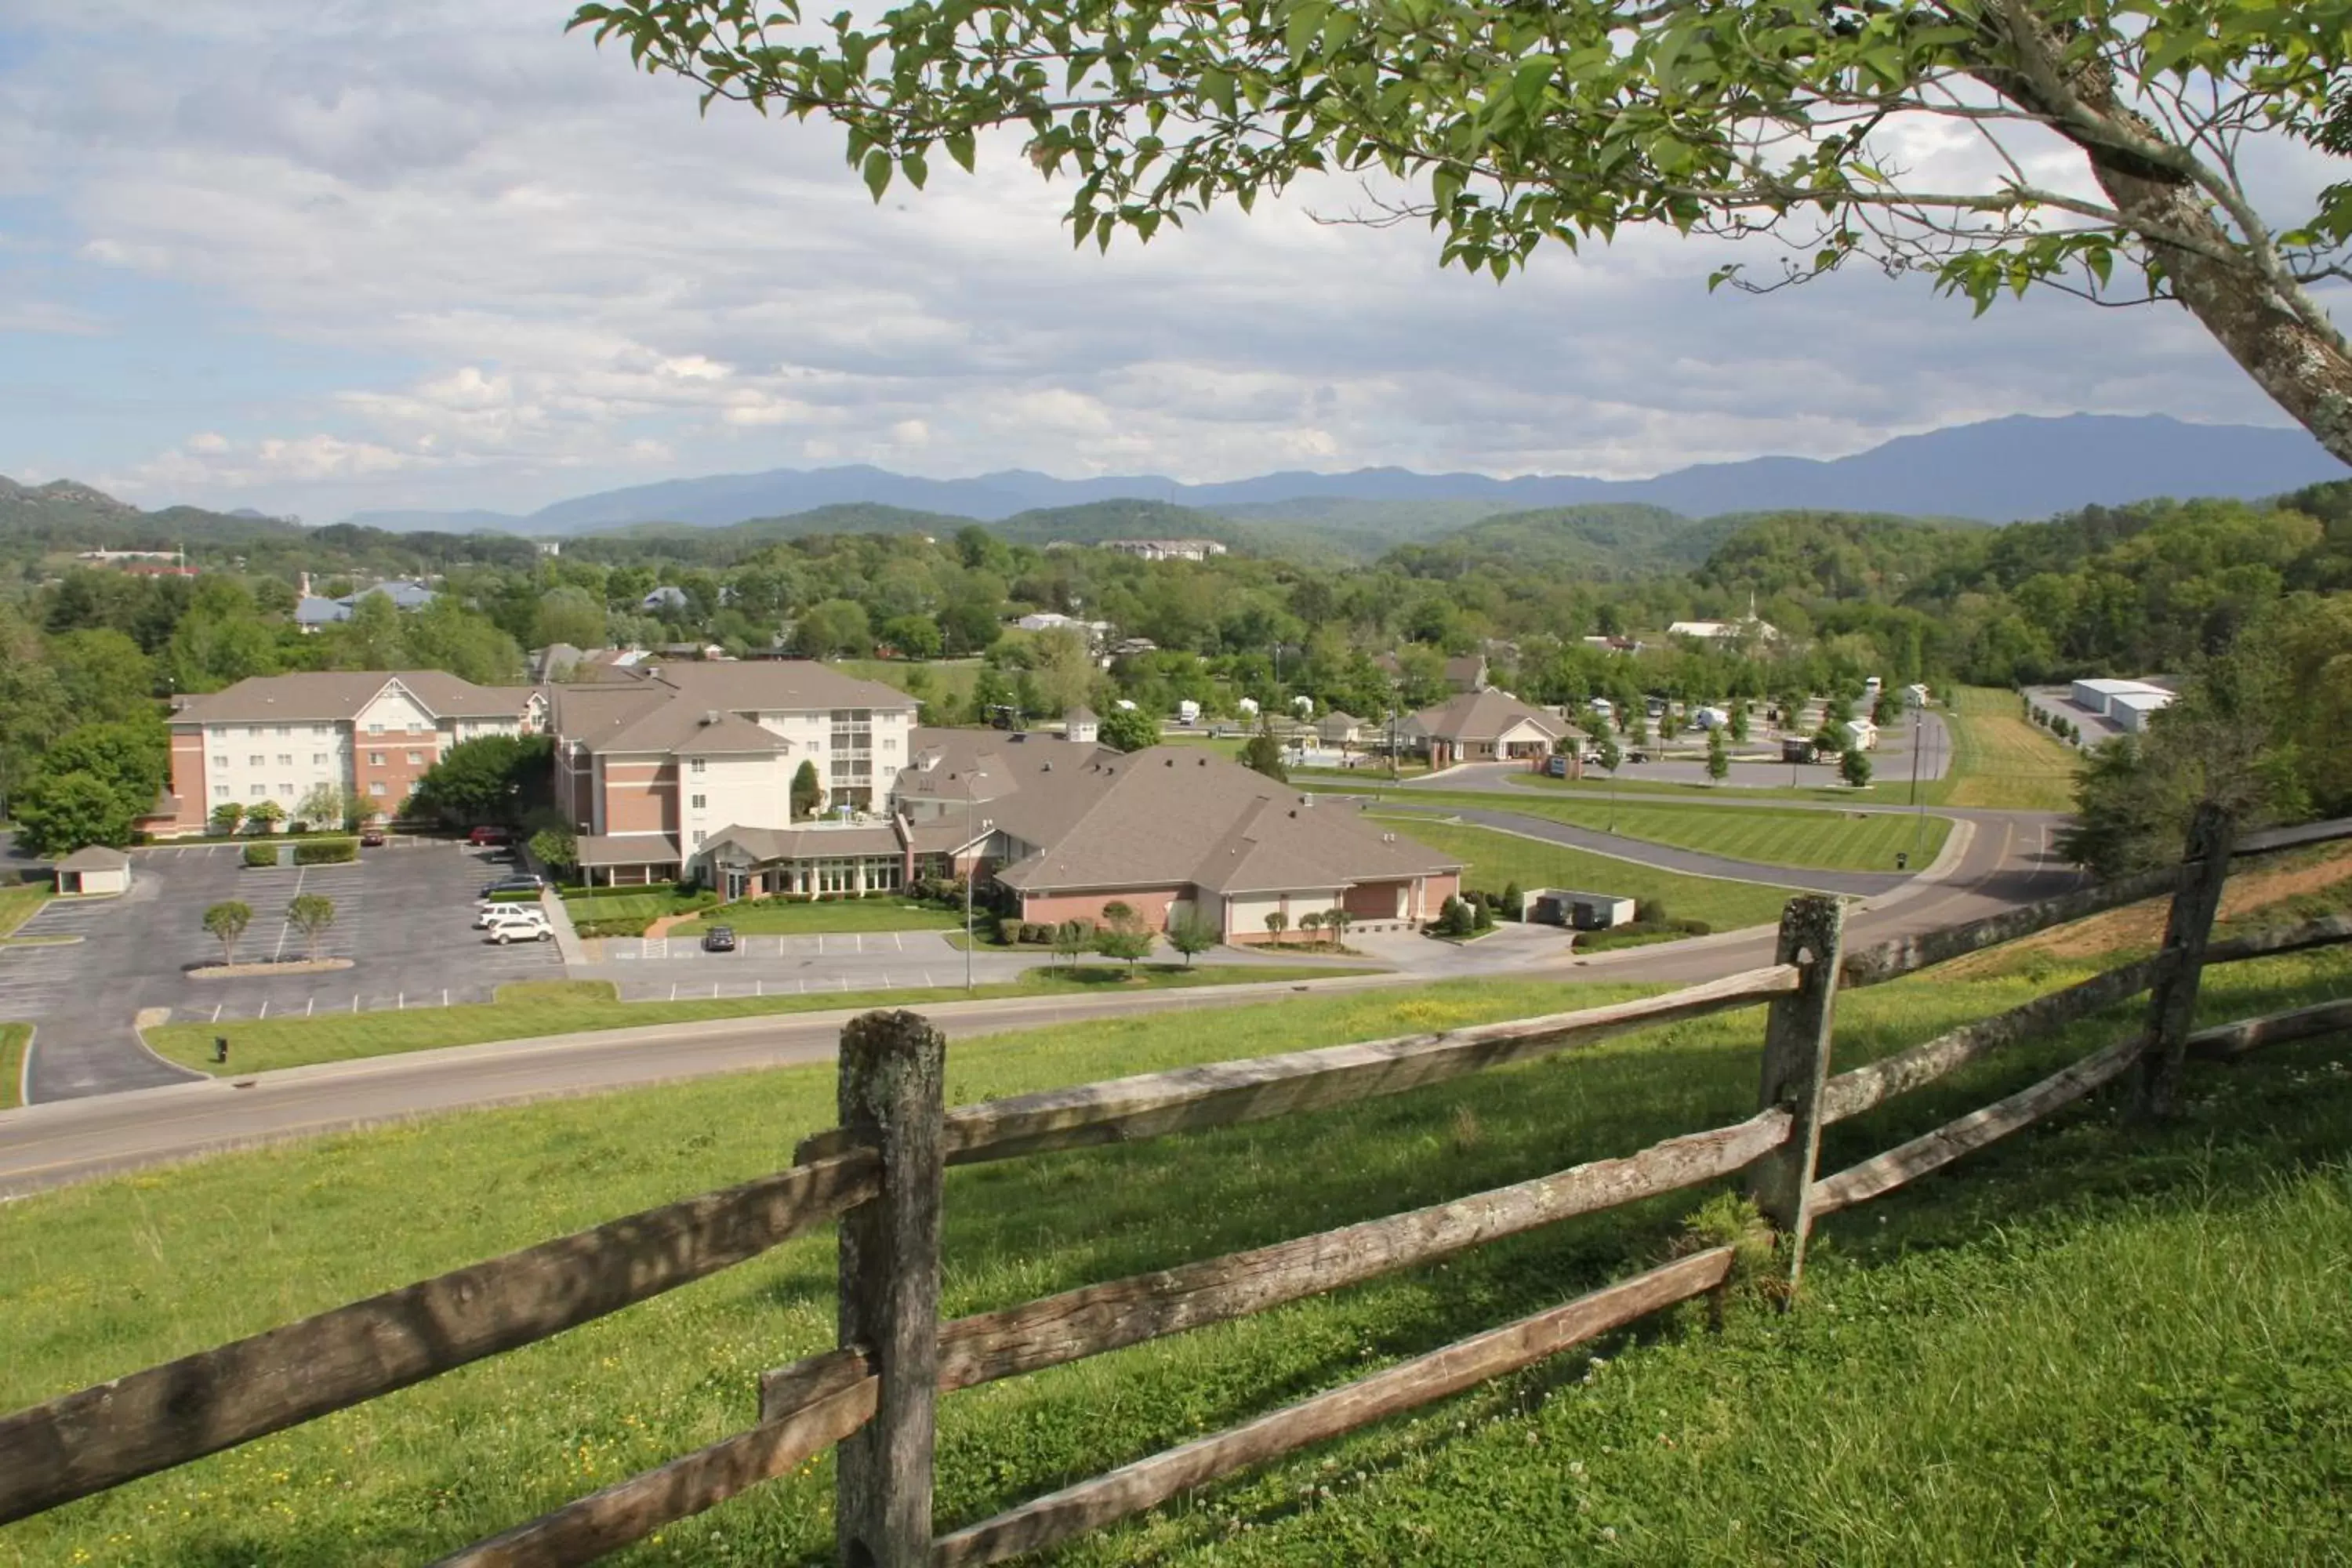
(1606, 539)
(64, 515)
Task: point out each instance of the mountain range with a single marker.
(2000, 470)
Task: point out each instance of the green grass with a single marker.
(2001, 759)
(1497, 858)
(530, 1008)
(942, 676)
(807, 919)
(19, 904)
(13, 1038)
(1762, 836)
(2089, 1343)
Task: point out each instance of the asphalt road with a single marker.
(1996, 862)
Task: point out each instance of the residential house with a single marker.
(1860, 734)
(663, 758)
(1482, 727)
(370, 733)
(1339, 729)
(312, 611)
(1166, 549)
(1746, 629)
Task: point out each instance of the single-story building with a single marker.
(1339, 728)
(1062, 830)
(1579, 911)
(95, 869)
(1486, 726)
(1798, 748)
(1861, 734)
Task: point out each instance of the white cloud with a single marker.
(548, 273)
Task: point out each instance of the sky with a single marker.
(324, 256)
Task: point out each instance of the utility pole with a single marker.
(971, 874)
(1918, 813)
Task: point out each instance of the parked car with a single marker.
(491, 835)
(718, 938)
(372, 839)
(505, 932)
(520, 883)
(488, 913)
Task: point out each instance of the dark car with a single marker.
(523, 884)
(718, 938)
(372, 839)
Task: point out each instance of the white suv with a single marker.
(525, 924)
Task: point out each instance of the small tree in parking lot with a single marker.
(1719, 756)
(227, 923)
(311, 914)
(1854, 767)
(1072, 938)
(1123, 935)
(1193, 933)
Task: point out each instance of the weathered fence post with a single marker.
(2172, 1007)
(1796, 1065)
(893, 1070)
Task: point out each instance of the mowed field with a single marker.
(14, 1037)
(2001, 760)
(2073, 1313)
(1498, 859)
(19, 904)
(1764, 835)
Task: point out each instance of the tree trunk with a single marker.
(2307, 371)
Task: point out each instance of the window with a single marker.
(414, 758)
(694, 764)
(700, 801)
(375, 729)
(287, 790)
(375, 786)
(317, 759)
(258, 791)
(256, 760)
(375, 758)
(220, 792)
(285, 729)
(220, 762)
(698, 839)
(320, 729)
(284, 758)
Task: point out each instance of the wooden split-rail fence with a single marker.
(881, 1175)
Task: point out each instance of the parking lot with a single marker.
(653, 968)
(403, 917)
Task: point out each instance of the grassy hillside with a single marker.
(847, 517)
(1819, 839)
(64, 515)
(2094, 1345)
(1498, 859)
(2001, 760)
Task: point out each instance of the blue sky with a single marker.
(320, 256)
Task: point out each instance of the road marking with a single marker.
(898, 941)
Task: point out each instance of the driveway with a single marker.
(401, 915)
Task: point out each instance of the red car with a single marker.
(489, 836)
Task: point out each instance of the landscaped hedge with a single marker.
(612, 928)
(324, 851)
(1635, 933)
(261, 854)
(1013, 931)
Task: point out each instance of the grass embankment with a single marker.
(2089, 1342)
(1498, 859)
(1816, 840)
(19, 904)
(13, 1038)
(2000, 759)
(534, 1008)
(941, 677)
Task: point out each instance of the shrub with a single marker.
(1515, 903)
(1008, 930)
(261, 854)
(625, 927)
(324, 851)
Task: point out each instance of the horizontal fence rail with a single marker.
(1095, 1319)
(1147, 1483)
(2228, 1042)
(1909, 954)
(1187, 1098)
(199, 1404)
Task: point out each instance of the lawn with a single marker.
(534, 1008)
(2001, 759)
(2090, 1344)
(13, 1038)
(1497, 858)
(1763, 835)
(776, 919)
(19, 904)
(940, 677)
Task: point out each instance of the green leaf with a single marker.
(1217, 86)
(878, 172)
(918, 171)
(959, 148)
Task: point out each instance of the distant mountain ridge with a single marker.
(2000, 470)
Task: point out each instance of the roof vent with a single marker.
(1047, 769)
(710, 716)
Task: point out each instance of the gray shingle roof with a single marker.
(328, 694)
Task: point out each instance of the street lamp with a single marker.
(969, 873)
